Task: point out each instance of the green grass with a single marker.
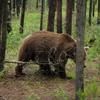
(91, 92)
(60, 94)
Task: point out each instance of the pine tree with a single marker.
(90, 12)
(51, 15)
(22, 16)
(3, 31)
(59, 16)
(98, 20)
(80, 22)
(42, 13)
(69, 17)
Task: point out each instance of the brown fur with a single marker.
(47, 48)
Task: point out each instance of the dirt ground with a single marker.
(35, 86)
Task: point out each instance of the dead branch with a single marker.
(18, 62)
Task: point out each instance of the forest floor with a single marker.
(35, 86)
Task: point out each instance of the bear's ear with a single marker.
(66, 35)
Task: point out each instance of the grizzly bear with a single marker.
(47, 49)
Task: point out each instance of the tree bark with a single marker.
(98, 19)
(3, 31)
(69, 17)
(59, 16)
(42, 13)
(51, 15)
(22, 16)
(80, 23)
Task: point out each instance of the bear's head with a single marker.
(69, 46)
(72, 54)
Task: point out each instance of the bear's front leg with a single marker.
(60, 70)
(18, 70)
(45, 69)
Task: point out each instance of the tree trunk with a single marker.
(3, 31)
(73, 1)
(80, 23)
(98, 20)
(1, 58)
(22, 16)
(0, 16)
(94, 4)
(18, 5)
(59, 16)
(14, 7)
(37, 3)
(42, 13)
(51, 15)
(69, 17)
(9, 28)
(90, 12)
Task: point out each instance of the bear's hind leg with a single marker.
(18, 70)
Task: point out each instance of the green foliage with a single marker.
(82, 95)
(60, 94)
(92, 90)
(3, 72)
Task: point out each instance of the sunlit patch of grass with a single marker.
(4, 72)
(60, 94)
(91, 92)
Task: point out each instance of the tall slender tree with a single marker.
(3, 31)
(51, 15)
(0, 15)
(14, 6)
(22, 16)
(9, 28)
(98, 19)
(94, 5)
(59, 16)
(1, 65)
(42, 13)
(69, 16)
(37, 3)
(73, 1)
(80, 23)
(90, 11)
(18, 6)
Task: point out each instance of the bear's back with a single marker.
(45, 39)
